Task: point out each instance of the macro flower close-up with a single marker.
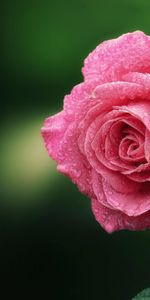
(101, 138)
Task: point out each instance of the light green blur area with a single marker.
(26, 168)
(43, 46)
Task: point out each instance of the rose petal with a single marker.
(73, 163)
(140, 110)
(52, 132)
(140, 173)
(113, 58)
(98, 188)
(147, 145)
(113, 220)
(79, 101)
(139, 78)
(132, 204)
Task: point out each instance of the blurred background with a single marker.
(49, 239)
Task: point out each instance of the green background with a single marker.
(49, 239)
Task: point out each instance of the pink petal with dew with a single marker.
(73, 163)
(139, 78)
(147, 145)
(140, 110)
(98, 188)
(114, 58)
(60, 140)
(52, 132)
(80, 96)
(132, 204)
(140, 173)
(113, 220)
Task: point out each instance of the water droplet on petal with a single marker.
(110, 192)
(78, 173)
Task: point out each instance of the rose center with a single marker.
(131, 147)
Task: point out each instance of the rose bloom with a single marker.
(101, 138)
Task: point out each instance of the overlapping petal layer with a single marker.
(114, 58)
(113, 220)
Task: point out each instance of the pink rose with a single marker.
(101, 139)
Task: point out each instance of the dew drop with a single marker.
(110, 193)
(78, 174)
